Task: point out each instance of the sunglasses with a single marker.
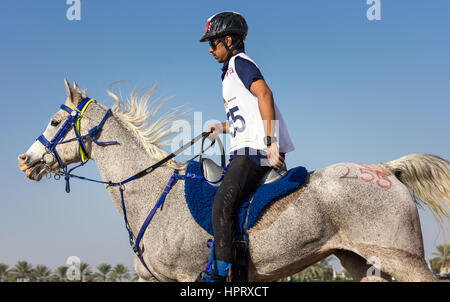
(213, 44)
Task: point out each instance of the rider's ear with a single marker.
(229, 41)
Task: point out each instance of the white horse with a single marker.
(357, 212)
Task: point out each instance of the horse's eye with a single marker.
(54, 123)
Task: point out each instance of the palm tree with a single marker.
(41, 273)
(85, 272)
(312, 272)
(59, 275)
(103, 270)
(119, 272)
(435, 266)
(4, 272)
(327, 269)
(22, 271)
(443, 260)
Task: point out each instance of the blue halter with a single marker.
(73, 120)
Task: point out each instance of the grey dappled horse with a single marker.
(357, 212)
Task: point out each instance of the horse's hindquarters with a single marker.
(342, 207)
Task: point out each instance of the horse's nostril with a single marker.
(22, 157)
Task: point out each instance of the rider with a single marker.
(259, 137)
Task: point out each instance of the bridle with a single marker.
(73, 121)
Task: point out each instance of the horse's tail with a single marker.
(428, 178)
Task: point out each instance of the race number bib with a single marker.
(236, 122)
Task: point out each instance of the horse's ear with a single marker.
(68, 90)
(73, 95)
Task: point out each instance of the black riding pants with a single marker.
(241, 179)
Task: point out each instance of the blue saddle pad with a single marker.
(199, 196)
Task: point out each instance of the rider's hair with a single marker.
(238, 42)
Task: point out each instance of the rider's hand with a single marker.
(274, 157)
(214, 131)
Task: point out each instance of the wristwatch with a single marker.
(269, 140)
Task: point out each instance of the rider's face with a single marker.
(218, 50)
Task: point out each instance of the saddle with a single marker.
(199, 195)
(213, 173)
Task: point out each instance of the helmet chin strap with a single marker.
(229, 51)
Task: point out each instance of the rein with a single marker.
(73, 120)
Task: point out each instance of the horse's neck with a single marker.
(119, 162)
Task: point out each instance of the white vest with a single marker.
(245, 124)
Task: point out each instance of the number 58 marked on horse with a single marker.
(368, 175)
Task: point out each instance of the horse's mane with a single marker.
(151, 132)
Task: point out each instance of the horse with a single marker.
(364, 214)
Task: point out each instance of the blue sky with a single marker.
(350, 89)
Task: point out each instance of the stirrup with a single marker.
(205, 276)
(219, 272)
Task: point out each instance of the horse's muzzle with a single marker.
(35, 170)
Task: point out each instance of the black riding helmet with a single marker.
(223, 24)
(226, 23)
